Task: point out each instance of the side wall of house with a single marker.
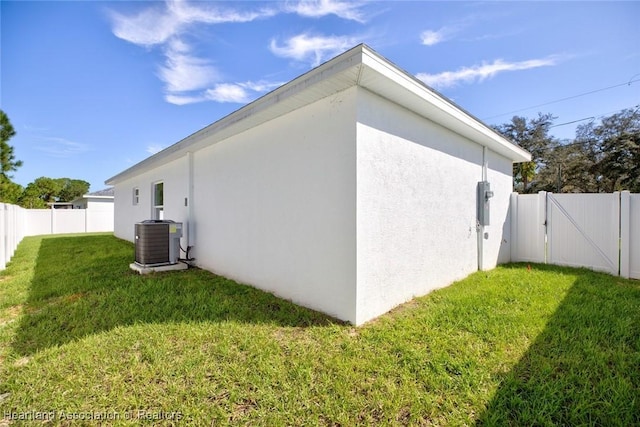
(174, 178)
(497, 238)
(274, 206)
(416, 206)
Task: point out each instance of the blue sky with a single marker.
(94, 87)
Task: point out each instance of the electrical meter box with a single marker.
(484, 195)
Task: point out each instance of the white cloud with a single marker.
(182, 72)
(261, 85)
(478, 73)
(228, 92)
(177, 99)
(155, 148)
(312, 49)
(429, 37)
(240, 93)
(210, 14)
(34, 129)
(61, 147)
(318, 8)
(190, 77)
(433, 37)
(156, 25)
(147, 28)
(494, 36)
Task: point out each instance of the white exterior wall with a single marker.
(497, 243)
(100, 214)
(350, 205)
(174, 176)
(100, 204)
(275, 206)
(416, 206)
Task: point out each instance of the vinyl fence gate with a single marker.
(597, 231)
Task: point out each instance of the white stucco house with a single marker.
(101, 200)
(349, 190)
(99, 209)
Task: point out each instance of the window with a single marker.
(158, 200)
(136, 195)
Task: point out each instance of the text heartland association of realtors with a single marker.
(92, 415)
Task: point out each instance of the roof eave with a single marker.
(412, 93)
(358, 66)
(287, 93)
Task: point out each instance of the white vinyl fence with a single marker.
(11, 231)
(597, 231)
(630, 225)
(17, 223)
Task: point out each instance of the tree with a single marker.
(41, 191)
(8, 162)
(71, 189)
(603, 157)
(568, 168)
(10, 192)
(533, 136)
(618, 141)
(45, 190)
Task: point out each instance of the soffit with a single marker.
(358, 66)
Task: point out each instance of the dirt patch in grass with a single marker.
(21, 362)
(75, 297)
(242, 408)
(10, 314)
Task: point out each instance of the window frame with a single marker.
(157, 209)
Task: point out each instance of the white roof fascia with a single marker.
(234, 123)
(88, 196)
(442, 110)
(357, 66)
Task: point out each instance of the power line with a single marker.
(573, 121)
(628, 83)
(595, 117)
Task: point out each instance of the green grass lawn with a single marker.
(82, 335)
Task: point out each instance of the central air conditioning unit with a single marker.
(157, 242)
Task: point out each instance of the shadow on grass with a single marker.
(584, 368)
(82, 285)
